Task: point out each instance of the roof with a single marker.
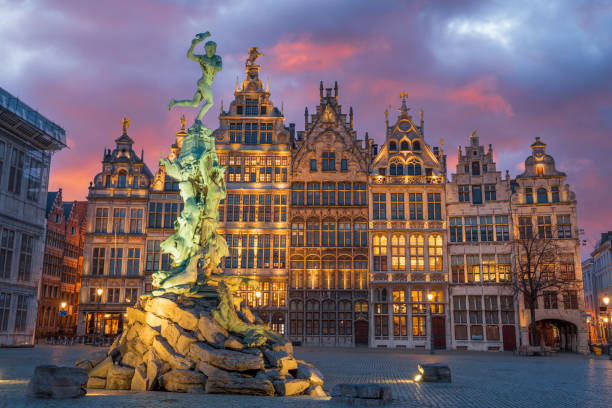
(67, 210)
(51, 197)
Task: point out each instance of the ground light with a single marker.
(418, 377)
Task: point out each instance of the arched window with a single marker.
(392, 146)
(360, 266)
(400, 170)
(345, 317)
(122, 179)
(296, 317)
(405, 145)
(328, 319)
(417, 253)
(416, 145)
(392, 170)
(313, 267)
(398, 252)
(329, 274)
(380, 252)
(297, 274)
(383, 295)
(344, 274)
(435, 253)
(312, 317)
(542, 195)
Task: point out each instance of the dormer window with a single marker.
(475, 168)
(542, 196)
(416, 145)
(251, 107)
(405, 146)
(122, 179)
(392, 147)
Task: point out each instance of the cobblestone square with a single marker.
(479, 380)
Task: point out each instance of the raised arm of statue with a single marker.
(199, 38)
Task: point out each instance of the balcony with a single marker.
(407, 179)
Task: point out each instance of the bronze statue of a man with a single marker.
(210, 64)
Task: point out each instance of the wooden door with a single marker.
(439, 332)
(361, 332)
(509, 337)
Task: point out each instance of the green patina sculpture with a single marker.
(196, 248)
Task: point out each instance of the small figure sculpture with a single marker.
(210, 64)
(125, 123)
(253, 55)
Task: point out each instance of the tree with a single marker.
(535, 274)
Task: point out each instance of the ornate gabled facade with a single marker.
(407, 222)
(113, 275)
(481, 298)
(543, 206)
(328, 278)
(255, 147)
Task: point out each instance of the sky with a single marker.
(515, 70)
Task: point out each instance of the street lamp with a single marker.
(430, 297)
(606, 320)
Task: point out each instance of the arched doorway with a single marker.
(558, 334)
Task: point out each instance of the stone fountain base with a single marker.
(173, 343)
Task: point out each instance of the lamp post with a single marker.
(63, 314)
(430, 297)
(606, 301)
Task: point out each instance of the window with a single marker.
(133, 262)
(279, 253)
(503, 267)
(34, 177)
(417, 253)
(458, 268)
(116, 261)
(564, 226)
(361, 274)
(418, 308)
(529, 195)
(329, 161)
(570, 299)
(174, 183)
(102, 220)
(486, 228)
(312, 317)
(251, 107)
(554, 194)
(231, 260)
(460, 317)
(155, 215)
(550, 300)
(381, 319)
(296, 317)
(119, 220)
(398, 252)
(415, 206)
(235, 133)
(329, 194)
(472, 266)
(464, 194)
(359, 194)
(328, 236)
(345, 317)
(501, 228)
(404, 145)
(21, 313)
(297, 234)
(435, 253)
(542, 196)
(344, 165)
(490, 192)
(380, 206)
(25, 258)
(475, 304)
(566, 267)
(312, 198)
(492, 317)
(344, 234)
(16, 171)
(313, 165)
(544, 226)
(471, 229)
(112, 295)
(265, 133)
(232, 213)
(131, 295)
(477, 194)
(525, 228)
(392, 146)
(397, 206)
(400, 312)
(507, 309)
(5, 309)
(416, 145)
(263, 251)
(280, 208)
(136, 221)
(434, 208)
(153, 255)
(97, 264)
(413, 169)
(312, 233)
(475, 168)
(379, 251)
(488, 268)
(344, 274)
(456, 229)
(7, 246)
(328, 318)
(122, 179)
(297, 194)
(2, 158)
(360, 234)
(250, 133)
(344, 193)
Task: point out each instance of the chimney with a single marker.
(292, 130)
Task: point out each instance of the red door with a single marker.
(439, 332)
(361, 332)
(509, 337)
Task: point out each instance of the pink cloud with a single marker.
(482, 94)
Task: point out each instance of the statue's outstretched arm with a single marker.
(199, 38)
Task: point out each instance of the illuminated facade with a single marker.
(544, 205)
(328, 276)
(481, 299)
(255, 147)
(407, 232)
